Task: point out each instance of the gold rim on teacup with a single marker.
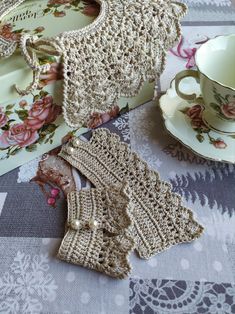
(215, 61)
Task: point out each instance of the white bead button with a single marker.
(93, 224)
(70, 150)
(76, 142)
(75, 224)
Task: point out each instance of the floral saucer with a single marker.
(183, 120)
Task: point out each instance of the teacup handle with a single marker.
(179, 77)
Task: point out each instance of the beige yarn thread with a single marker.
(106, 246)
(115, 55)
(159, 218)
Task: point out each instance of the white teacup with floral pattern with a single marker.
(215, 62)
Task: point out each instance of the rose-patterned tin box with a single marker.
(33, 124)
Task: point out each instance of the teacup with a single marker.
(215, 61)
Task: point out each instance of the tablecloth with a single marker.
(188, 278)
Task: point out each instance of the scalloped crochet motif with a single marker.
(159, 219)
(103, 245)
(113, 56)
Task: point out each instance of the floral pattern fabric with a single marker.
(26, 284)
(36, 127)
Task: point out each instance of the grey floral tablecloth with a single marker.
(188, 278)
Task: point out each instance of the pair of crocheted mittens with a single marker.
(129, 208)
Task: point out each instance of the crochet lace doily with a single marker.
(159, 218)
(113, 56)
(97, 223)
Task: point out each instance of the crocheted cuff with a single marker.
(160, 220)
(97, 223)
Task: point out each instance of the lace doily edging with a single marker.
(175, 198)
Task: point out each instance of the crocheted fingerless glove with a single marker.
(97, 223)
(159, 219)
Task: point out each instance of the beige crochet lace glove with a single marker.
(110, 58)
(159, 218)
(97, 223)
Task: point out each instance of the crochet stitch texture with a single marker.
(96, 236)
(159, 218)
(112, 57)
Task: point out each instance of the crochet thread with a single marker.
(159, 218)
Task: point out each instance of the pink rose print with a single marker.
(91, 8)
(3, 118)
(198, 123)
(23, 103)
(95, 120)
(43, 111)
(114, 112)
(39, 29)
(19, 135)
(195, 114)
(219, 143)
(54, 74)
(98, 119)
(59, 13)
(229, 110)
(7, 33)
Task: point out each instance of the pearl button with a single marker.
(93, 224)
(70, 150)
(75, 224)
(76, 142)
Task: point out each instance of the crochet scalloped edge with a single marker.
(168, 186)
(149, 78)
(70, 239)
(99, 135)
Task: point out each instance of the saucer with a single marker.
(183, 119)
